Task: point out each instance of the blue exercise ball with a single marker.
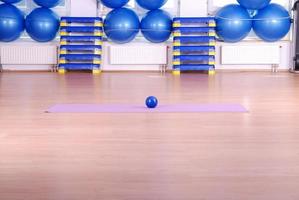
(48, 3)
(151, 4)
(233, 23)
(114, 3)
(151, 102)
(254, 4)
(11, 1)
(121, 25)
(272, 23)
(156, 26)
(11, 23)
(42, 24)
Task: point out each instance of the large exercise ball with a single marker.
(42, 24)
(254, 4)
(233, 23)
(11, 1)
(151, 4)
(48, 3)
(272, 23)
(156, 26)
(11, 23)
(114, 3)
(121, 25)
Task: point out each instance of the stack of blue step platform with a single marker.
(194, 44)
(80, 44)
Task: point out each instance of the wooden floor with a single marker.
(249, 156)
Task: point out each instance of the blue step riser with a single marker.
(194, 50)
(79, 66)
(194, 29)
(200, 53)
(79, 57)
(194, 44)
(80, 50)
(81, 19)
(193, 19)
(80, 43)
(196, 34)
(194, 67)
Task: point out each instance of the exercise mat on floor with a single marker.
(126, 108)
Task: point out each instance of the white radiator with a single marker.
(28, 54)
(250, 55)
(138, 55)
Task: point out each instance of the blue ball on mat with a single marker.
(151, 102)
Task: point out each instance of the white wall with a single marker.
(84, 8)
(189, 8)
(193, 8)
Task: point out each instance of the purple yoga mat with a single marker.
(123, 108)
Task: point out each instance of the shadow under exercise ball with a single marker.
(114, 3)
(11, 23)
(121, 25)
(47, 3)
(151, 4)
(233, 23)
(11, 1)
(254, 4)
(42, 24)
(272, 23)
(156, 26)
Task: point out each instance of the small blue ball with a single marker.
(151, 102)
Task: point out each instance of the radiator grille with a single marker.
(29, 55)
(250, 55)
(138, 55)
